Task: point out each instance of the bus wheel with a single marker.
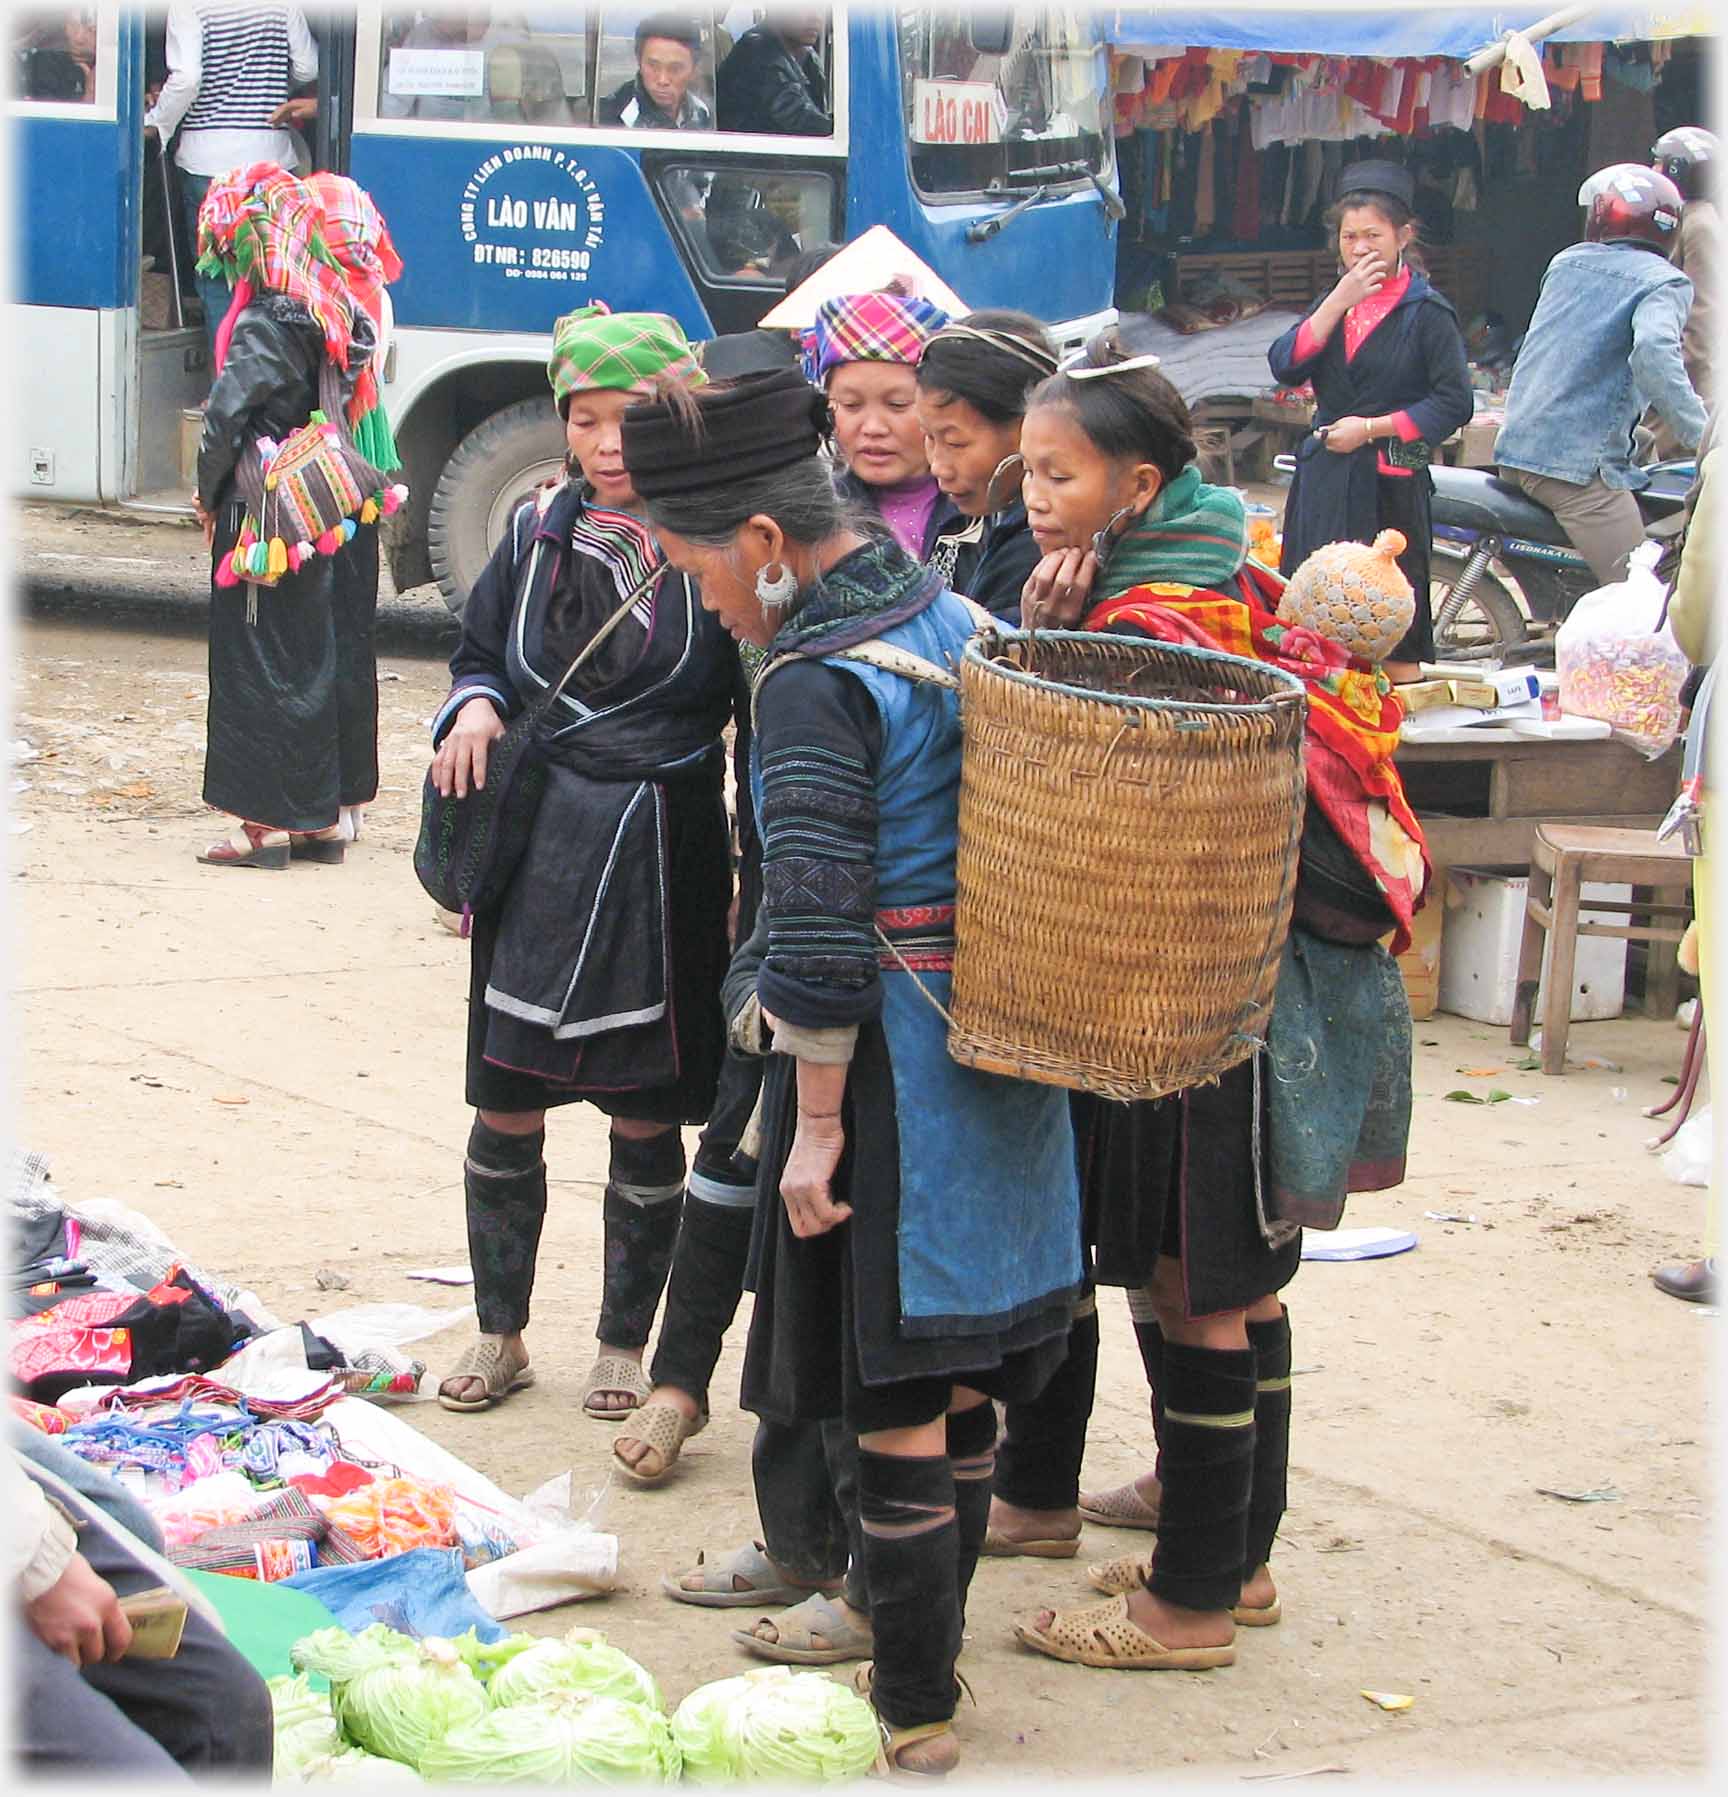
(495, 467)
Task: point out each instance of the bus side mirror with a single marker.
(991, 30)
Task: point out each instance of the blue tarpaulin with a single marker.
(1386, 30)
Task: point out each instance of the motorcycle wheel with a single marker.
(1491, 622)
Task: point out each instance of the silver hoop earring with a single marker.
(776, 591)
(996, 475)
(1102, 539)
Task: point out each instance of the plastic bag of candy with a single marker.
(390, 1516)
(1618, 659)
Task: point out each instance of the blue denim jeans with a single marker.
(214, 295)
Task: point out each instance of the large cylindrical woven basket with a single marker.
(1129, 819)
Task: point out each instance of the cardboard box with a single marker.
(1420, 962)
(1479, 960)
(1476, 443)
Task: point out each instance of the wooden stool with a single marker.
(1562, 858)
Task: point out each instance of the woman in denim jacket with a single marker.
(1605, 341)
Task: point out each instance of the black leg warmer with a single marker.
(1271, 1345)
(840, 1445)
(643, 1187)
(972, 1454)
(1043, 1442)
(504, 1182)
(1206, 1467)
(804, 1529)
(703, 1292)
(906, 1507)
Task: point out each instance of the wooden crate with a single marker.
(1420, 962)
(1296, 277)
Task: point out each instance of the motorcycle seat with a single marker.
(1483, 501)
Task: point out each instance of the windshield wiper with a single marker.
(985, 228)
(1074, 171)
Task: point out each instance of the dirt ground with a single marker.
(1524, 1348)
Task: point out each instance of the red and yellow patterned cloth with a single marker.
(1354, 718)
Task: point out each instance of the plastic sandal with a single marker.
(328, 846)
(1116, 1578)
(796, 1631)
(615, 1372)
(720, 1587)
(1106, 1635)
(1123, 1508)
(251, 845)
(663, 1429)
(895, 1741)
(1050, 1547)
(484, 1359)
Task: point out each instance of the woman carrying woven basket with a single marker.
(973, 379)
(292, 738)
(597, 976)
(927, 1250)
(1195, 1202)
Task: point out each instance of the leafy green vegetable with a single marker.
(305, 1730)
(777, 1723)
(1463, 1098)
(341, 1656)
(564, 1739)
(483, 1658)
(582, 1661)
(354, 1765)
(403, 1701)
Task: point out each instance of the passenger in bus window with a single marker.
(773, 79)
(463, 28)
(57, 58)
(660, 95)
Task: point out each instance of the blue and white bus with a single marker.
(980, 137)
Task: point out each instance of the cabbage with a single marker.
(353, 1765)
(483, 1658)
(582, 1661)
(400, 1708)
(305, 1729)
(776, 1723)
(341, 1656)
(565, 1739)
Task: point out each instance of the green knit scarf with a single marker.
(1191, 533)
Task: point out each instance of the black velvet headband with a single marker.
(749, 426)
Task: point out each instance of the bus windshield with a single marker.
(995, 95)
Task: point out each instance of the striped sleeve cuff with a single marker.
(472, 690)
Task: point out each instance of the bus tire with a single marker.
(496, 466)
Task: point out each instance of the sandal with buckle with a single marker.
(251, 845)
(895, 1741)
(1037, 1547)
(798, 1630)
(1122, 1508)
(1106, 1635)
(615, 1373)
(745, 1579)
(662, 1429)
(327, 846)
(1127, 1572)
(499, 1373)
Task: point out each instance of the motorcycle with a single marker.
(1504, 572)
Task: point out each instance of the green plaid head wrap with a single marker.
(595, 347)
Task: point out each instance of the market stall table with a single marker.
(1480, 790)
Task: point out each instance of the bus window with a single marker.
(656, 69)
(487, 64)
(776, 78)
(54, 56)
(747, 224)
(979, 118)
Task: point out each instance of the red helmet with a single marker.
(1629, 203)
(1685, 155)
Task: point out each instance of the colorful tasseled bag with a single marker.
(305, 496)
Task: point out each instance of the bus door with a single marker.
(74, 103)
(522, 178)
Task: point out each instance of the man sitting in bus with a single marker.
(659, 96)
(773, 80)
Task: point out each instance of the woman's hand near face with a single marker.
(1055, 594)
(1361, 280)
(461, 758)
